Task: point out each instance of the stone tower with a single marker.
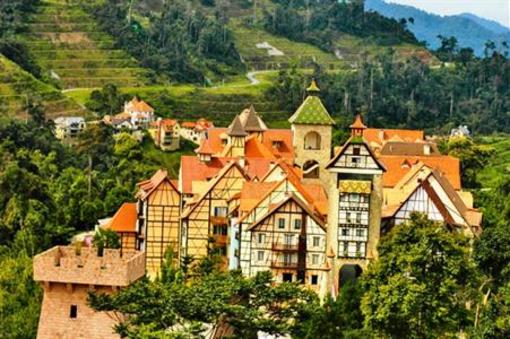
(312, 128)
(67, 275)
(355, 200)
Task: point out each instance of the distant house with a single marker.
(137, 114)
(195, 131)
(461, 131)
(166, 134)
(68, 128)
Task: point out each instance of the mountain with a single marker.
(470, 30)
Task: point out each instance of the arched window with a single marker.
(311, 169)
(312, 140)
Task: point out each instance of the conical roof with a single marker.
(253, 123)
(313, 88)
(236, 128)
(312, 110)
(358, 122)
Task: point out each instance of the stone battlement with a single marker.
(62, 264)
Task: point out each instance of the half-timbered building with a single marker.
(205, 221)
(289, 240)
(158, 207)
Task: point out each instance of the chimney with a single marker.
(426, 149)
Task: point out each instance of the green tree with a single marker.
(419, 286)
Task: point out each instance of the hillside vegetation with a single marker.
(19, 88)
(69, 47)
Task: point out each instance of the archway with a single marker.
(312, 141)
(311, 170)
(349, 273)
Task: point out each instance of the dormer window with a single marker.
(277, 144)
(356, 150)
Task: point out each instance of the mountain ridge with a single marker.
(469, 29)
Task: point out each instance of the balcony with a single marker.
(284, 264)
(217, 220)
(285, 247)
(220, 239)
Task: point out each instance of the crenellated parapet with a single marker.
(68, 264)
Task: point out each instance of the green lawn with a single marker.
(168, 160)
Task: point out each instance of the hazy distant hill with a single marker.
(469, 29)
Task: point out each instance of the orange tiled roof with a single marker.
(358, 123)
(139, 105)
(188, 124)
(205, 148)
(398, 166)
(124, 219)
(380, 135)
(257, 148)
(253, 192)
(148, 186)
(195, 170)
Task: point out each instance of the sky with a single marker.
(497, 10)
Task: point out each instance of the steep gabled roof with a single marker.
(204, 148)
(355, 140)
(291, 197)
(149, 186)
(124, 219)
(213, 183)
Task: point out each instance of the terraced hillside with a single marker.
(66, 43)
(220, 104)
(17, 87)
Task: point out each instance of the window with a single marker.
(297, 224)
(287, 258)
(355, 161)
(345, 232)
(315, 279)
(316, 241)
(360, 232)
(288, 239)
(262, 238)
(281, 223)
(260, 255)
(350, 220)
(220, 211)
(219, 230)
(358, 249)
(315, 259)
(73, 312)
(355, 150)
(287, 277)
(358, 218)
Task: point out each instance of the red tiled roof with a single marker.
(398, 166)
(124, 219)
(188, 124)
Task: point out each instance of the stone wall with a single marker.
(63, 264)
(56, 322)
